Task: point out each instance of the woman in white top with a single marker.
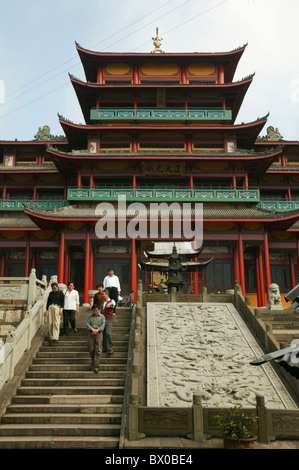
(71, 307)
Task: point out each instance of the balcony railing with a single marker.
(163, 194)
(279, 206)
(191, 114)
(42, 204)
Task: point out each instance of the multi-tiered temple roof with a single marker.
(159, 127)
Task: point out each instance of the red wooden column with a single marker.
(292, 270)
(189, 143)
(135, 74)
(221, 74)
(27, 258)
(134, 144)
(87, 268)
(2, 264)
(184, 79)
(134, 180)
(261, 274)
(100, 77)
(91, 276)
(67, 276)
(236, 265)
(258, 279)
(134, 268)
(267, 262)
(234, 182)
(195, 275)
(61, 258)
(191, 181)
(245, 181)
(241, 264)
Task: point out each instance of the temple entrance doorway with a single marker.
(219, 275)
(121, 269)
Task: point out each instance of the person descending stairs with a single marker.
(61, 403)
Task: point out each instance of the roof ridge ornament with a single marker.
(157, 41)
(273, 133)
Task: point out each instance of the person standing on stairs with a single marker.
(107, 310)
(54, 307)
(111, 282)
(71, 308)
(99, 296)
(95, 325)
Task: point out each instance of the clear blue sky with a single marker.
(37, 50)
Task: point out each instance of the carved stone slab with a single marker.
(206, 348)
(13, 292)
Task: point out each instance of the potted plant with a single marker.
(239, 430)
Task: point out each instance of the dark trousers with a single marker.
(94, 346)
(113, 293)
(107, 336)
(69, 316)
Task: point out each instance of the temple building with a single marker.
(159, 127)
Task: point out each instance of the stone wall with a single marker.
(228, 297)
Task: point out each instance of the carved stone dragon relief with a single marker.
(204, 348)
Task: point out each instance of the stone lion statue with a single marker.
(43, 133)
(273, 134)
(274, 300)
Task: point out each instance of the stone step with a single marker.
(76, 375)
(75, 360)
(68, 399)
(285, 337)
(64, 408)
(74, 355)
(77, 382)
(81, 340)
(67, 342)
(59, 430)
(61, 418)
(44, 367)
(71, 390)
(58, 442)
(119, 345)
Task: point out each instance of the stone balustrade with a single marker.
(34, 293)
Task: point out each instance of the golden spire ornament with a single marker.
(157, 42)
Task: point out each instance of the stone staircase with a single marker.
(285, 325)
(61, 404)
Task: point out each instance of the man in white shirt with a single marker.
(71, 307)
(111, 282)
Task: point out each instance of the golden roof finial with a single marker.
(157, 42)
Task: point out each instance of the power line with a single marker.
(75, 57)
(78, 63)
(188, 21)
(175, 27)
